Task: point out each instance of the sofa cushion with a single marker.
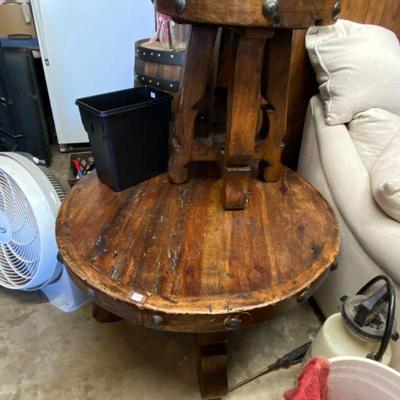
(350, 186)
(376, 251)
(357, 67)
(385, 179)
(372, 131)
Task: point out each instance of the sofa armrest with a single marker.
(350, 186)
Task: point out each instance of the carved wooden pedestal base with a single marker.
(168, 257)
(241, 59)
(212, 356)
(251, 61)
(212, 360)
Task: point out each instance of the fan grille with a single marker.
(54, 182)
(19, 235)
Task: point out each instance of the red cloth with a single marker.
(313, 381)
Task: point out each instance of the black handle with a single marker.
(294, 357)
(390, 315)
(370, 305)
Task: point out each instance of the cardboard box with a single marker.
(12, 21)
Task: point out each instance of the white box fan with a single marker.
(30, 197)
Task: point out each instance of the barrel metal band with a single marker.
(163, 84)
(159, 56)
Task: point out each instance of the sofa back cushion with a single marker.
(385, 179)
(372, 131)
(357, 68)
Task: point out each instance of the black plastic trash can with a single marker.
(128, 134)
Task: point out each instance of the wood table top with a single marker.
(171, 251)
(250, 13)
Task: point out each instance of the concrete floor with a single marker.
(47, 355)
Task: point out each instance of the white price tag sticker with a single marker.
(140, 298)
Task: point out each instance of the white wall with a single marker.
(90, 48)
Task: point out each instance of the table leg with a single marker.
(198, 67)
(212, 363)
(102, 315)
(243, 110)
(277, 94)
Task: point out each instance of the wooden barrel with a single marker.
(158, 68)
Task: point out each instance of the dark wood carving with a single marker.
(243, 48)
(199, 64)
(171, 251)
(277, 71)
(293, 13)
(169, 257)
(243, 110)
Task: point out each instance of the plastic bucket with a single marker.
(355, 378)
(128, 133)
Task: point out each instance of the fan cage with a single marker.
(20, 249)
(49, 175)
(54, 182)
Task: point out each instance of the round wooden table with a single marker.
(169, 257)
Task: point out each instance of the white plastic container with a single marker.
(355, 378)
(335, 340)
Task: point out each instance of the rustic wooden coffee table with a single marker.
(169, 257)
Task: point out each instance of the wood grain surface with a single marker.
(276, 74)
(158, 68)
(384, 12)
(193, 88)
(294, 13)
(157, 71)
(169, 257)
(243, 110)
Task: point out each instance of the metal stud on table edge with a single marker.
(233, 322)
(180, 5)
(271, 10)
(337, 8)
(157, 320)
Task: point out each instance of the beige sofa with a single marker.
(370, 240)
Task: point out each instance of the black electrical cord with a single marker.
(390, 315)
(296, 356)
